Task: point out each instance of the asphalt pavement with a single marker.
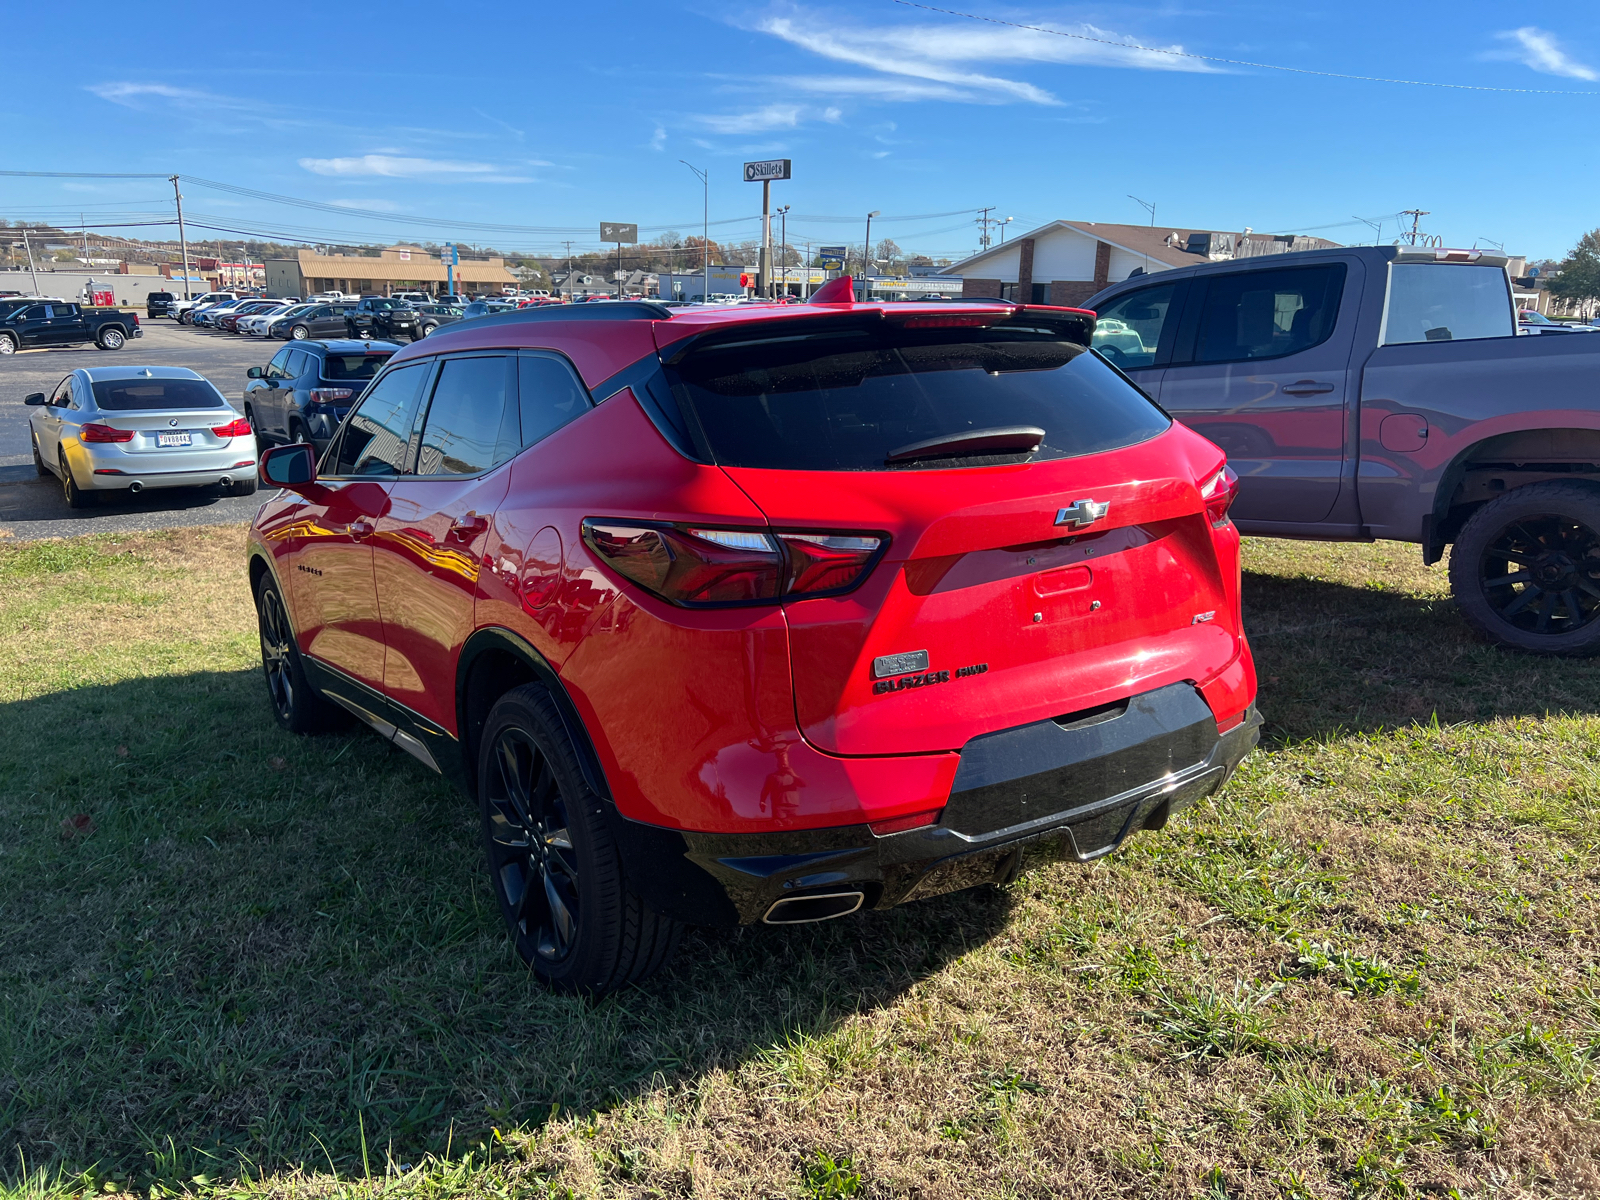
(31, 507)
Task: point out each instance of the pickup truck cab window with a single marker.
(1267, 314)
(1130, 329)
(1446, 302)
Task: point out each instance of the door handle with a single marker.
(359, 529)
(468, 526)
(1306, 387)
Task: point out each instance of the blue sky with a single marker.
(553, 117)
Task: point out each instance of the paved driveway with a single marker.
(31, 507)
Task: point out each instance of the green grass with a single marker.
(238, 963)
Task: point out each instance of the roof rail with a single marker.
(611, 310)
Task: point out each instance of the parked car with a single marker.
(1381, 392)
(159, 304)
(1529, 321)
(486, 308)
(184, 310)
(322, 320)
(123, 429)
(229, 322)
(804, 610)
(212, 316)
(305, 391)
(37, 325)
(413, 298)
(431, 317)
(257, 324)
(381, 316)
(327, 297)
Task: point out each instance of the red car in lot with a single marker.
(763, 613)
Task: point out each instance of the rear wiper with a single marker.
(1003, 439)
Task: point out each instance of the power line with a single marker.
(1238, 62)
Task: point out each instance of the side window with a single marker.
(374, 439)
(1445, 302)
(300, 362)
(1268, 314)
(278, 368)
(64, 310)
(37, 313)
(63, 394)
(549, 394)
(1129, 330)
(471, 426)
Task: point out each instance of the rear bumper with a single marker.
(1088, 785)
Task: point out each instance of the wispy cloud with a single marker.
(394, 166)
(1538, 49)
(943, 56)
(132, 95)
(658, 140)
(388, 206)
(760, 120)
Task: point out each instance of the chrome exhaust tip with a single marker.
(805, 910)
(136, 487)
(226, 481)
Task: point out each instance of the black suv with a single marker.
(159, 304)
(305, 391)
(382, 316)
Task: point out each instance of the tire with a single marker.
(243, 487)
(38, 461)
(8, 344)
(1525, 569)
(298, 434)
(425, 330)
(295, 705)
(262, 444)
(111, 339)
(184, 318)
(554, 868)
(299, 333)
(75, 496)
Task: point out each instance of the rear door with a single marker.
(1136, 330)
(69, 324)
(1261, 368)
(1015, 587)
(429, 542)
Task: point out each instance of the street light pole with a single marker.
(866, 255)
(705, 235)
(783, 246)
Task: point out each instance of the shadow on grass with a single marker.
(1335, 658)
(259, 945)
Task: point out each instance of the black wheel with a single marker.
(297, 433)
(425, 330)
(263, 443)
(38, 462)
(243, 487)
(296, 707)
(111, 339)
(1525, 569)
(74, 495)
(299, 333)
(552, 862)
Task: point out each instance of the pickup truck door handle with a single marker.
(359, 529)
(1306, 387)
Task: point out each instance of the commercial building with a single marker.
(1066, 262)
(74, 285)
(393, 269)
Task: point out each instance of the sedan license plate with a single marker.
(180, 438)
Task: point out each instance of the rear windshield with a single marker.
(156, 393)
(847, 398)
(353, 366)
(159, 296)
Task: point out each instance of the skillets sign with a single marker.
(766, 171)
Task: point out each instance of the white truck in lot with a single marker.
(180, 310)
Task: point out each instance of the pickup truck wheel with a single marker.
(1525, 569)
(185, 319)
(553, 864)
(8, 344)
(299, 333)
(111, 339)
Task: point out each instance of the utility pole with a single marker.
(983, 227)
(866, 257)
(27, 245)
(183, 239)
(805, 288)
(783, 246)
(705, 234)
(1416, 215)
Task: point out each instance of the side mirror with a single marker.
(34, 398)
(256, 373)
(292, 466)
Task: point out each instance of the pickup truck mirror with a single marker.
(34, 398)
(256, 373)
(293, 466)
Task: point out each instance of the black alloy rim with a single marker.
(530, 847)
(1542, 575)
(275, 651)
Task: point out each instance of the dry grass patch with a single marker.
(271, 966)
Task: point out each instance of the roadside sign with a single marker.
(612, 231)
(832, 257)
(766, 171)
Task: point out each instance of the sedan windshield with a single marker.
(150, 394)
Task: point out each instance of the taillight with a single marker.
(695, 566)
(238, 427)
(329, 395)
(1219, 494)
(94, 432)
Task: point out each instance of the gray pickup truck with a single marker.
(1383, 392)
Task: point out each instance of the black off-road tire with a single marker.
(1525, 569)
(558, 829)
(74, 495)
(295, 705)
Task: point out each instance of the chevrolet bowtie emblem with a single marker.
(1081, 514)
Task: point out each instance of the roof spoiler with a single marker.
(1482, 258)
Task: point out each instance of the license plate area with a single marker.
(180, 437)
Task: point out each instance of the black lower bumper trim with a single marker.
(732, 879)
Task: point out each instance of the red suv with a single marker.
(763, 613)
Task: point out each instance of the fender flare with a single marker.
(498, 638)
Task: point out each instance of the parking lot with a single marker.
(31, 507)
